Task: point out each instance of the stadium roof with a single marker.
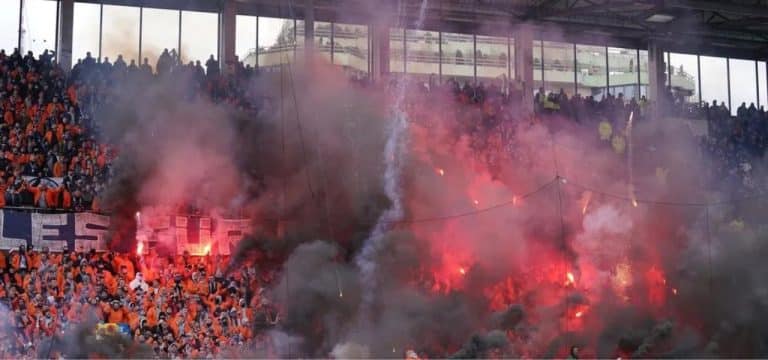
(736, 28)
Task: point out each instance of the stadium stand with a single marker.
(189, 308)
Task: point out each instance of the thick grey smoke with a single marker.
(313, 170)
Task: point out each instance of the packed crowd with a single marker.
(736, 142)
(53, 159)
(51, 154)
(46, 134)
(177, 307)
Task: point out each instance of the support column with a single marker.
(66, 18)
(227, 41)
(380, 51)
(656, 78)
(309, 29)
(524, 67)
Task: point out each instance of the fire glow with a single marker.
(570, 279)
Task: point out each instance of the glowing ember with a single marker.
(585, 199)
(441, 172)
(570, 279)
(462, 271)
(579, 314)
(674, 291)
(477, 202)
(634, 202)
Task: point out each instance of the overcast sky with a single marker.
(199, 35)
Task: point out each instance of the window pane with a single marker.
(396, 50)
(537, 66)
(300, 33)
(685, 77)
(458, 60)
(763, 83)
(350, 48)
(199, 36)
(121, 33)
(245, 39)
(512, 68)
(622, 72)
(39, 29)
(644, 73)
(714, 80)
(423, 53)
(161, 31)
(276, 41)
(591, 76)
(9, 26)
(743, 84)
(85, 32)
(492, 57)
(558, 67)
(323, 40)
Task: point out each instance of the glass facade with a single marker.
(245, 39)
(422, 53)
(160, 32)
(714, 80)
(397, 50)
(743, 83)
(684, 74)
(323, 40)
(277, 41)
(538, 66)
(558, 67)
(199, 36)
(120, 33)
(591, 75)
(762, 84)
(457, 57)
(9, 25)
(107, 31)
(85, 31)
(38, 26)
(623, 73)
(644, 74)
(350, 47)
(493, 60)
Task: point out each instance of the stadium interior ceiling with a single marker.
(735, 28)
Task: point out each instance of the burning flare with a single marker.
(570, 279)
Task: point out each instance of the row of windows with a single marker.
(590, 70)
(109, 30)
(705, 79)
(265, 42)
(572, 68)
(450, 55)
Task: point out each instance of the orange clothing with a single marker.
(66, 200)
(117, 316)
(58, 169)
(8, 118)
(51, 195)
